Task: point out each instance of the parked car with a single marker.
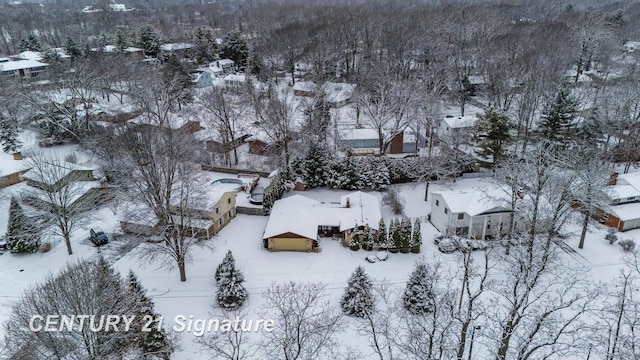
(98, 237)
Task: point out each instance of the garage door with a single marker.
(288, 244)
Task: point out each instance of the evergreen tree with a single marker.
(206, 47)
(9, 135)
(155, 341)
(177, 78)
(225, 266)
(355, 241)
(367, 238)
(491, 134)
(231, 293)
(557, 117)
(358, 296)
(416, 237)
(123, 39)
(418, 296)
(273, 192)
(72, 48)
(234, 47)
(316, 165)
(381, 237)
(395, 242)
(318, 118)
(405, 235)
(149, 39)
(22, 236)
(31, 43)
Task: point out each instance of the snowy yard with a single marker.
(243, 236)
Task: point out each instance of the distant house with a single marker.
(58, 175)
(226, 66)
(203, 218)
(201, 78)
(624, 193)
(259, 146)
(472, 213)
(142, 123)
(336, 94)
(297, 222)
(175, 48)
(12, 171)
(457, 127)
(304, 88)
(22, 69)
(234, 81)
(366, 142)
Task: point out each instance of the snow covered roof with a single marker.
(29, 55)
(632, 179)
(466, 121)
(20, 64)
(338, 92)
(175, 46)
(223, 62)
(622, 192)
(358, 134)
(626, 212)
(234, 78)
(306, 86)
(631, 46)
(474, 201)
(301, 216)
(54, 172)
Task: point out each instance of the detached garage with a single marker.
(290, 242)
(624, 217)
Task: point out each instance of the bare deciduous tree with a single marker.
(306, 324)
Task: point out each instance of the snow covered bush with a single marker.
(22, 235)
(405, 235)
(368, 238)
(418, 297)
(395, 237)
(9, 135)
(611, 236)
(231, 292)
(627, 244)
(357, 299)
(381, 236)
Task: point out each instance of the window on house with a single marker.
(217, 210)
(460, 216)
(220, 221)
(446, 211)
(631, 198)
(437, 202)
(488, 226)
(229, 201)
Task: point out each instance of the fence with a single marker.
(250, 211)
(233, 171)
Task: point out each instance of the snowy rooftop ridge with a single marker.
(474, 201)
(302, 216)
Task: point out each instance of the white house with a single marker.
(474, 213)
(21, 69)
(624, 193)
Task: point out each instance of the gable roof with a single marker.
(475, 201)
(20, 64)
(301, 215)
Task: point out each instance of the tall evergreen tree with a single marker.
(153, 342)
(416, 236)
(149, 39)
(22, 235)
(31, 43)
(123, 40)
(315, 165)
(231, 293)
(9, 135)
(557, 118)
(72, 49)
(381, 237)
(234, 47)
(418, 296)
(225, 266)
(357, 299)
(206, 47)
(405, 234)
(177, 78)
(491, 134)
(396, 235)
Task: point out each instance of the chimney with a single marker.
(348, 202)
(613, 179)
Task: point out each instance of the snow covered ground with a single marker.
(243, 237)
